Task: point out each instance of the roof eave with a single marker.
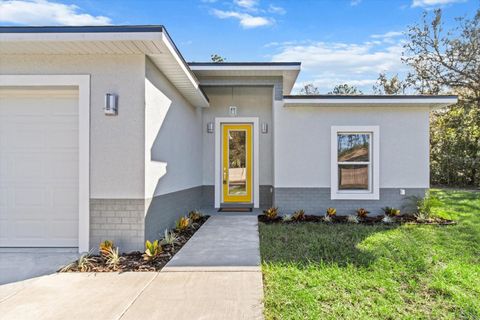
(434, 102)
(156, 34)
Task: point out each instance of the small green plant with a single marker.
(105, 247)
(352, 219)
(331, 212)
(299, 215)
(112, 258)
(152, 250)
(388, 219)
(169, 237)
(287, 218)
(195, 215)
(271, 213)
(83, 264)
(391, 212)
(423, 206)
(362, 213)
(182, 224)
(327, 219)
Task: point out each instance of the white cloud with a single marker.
(390, 34)
(43, 12)
(355, 2)
(432, 3)
(276, 9)
(246, 20)
(327, 64)
(246, 4)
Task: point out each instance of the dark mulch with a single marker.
(404, 218)
(133, 261)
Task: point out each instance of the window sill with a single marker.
(354, 196)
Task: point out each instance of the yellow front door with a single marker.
(237, 163)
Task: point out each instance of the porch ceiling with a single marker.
(287, 70)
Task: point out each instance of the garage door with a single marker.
(38, 167)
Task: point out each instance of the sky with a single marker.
(337, 41)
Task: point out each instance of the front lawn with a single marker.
(319, 271)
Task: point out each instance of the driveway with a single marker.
(216, 275)
(22, 264)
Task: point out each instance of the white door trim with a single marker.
(83, 84)
(218, 157)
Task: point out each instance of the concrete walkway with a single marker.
(216, 275)
(224, 243)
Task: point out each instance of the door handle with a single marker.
(225, 176)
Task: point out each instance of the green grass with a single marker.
(318, 271)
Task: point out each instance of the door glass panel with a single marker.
(237, 159)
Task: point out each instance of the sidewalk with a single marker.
(216, 275)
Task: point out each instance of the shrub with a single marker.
(362, 213)
(169, 237)
(112, 257)
(391, 212)
(299, 215)
(287, 218)
(152, 250)
(182, 224)
(423, 206)
(271, 213)
(331, 212)
(195, 215)
(105, 247)
(84, 263)
(388, 219)
(327, 219)
(352, 219)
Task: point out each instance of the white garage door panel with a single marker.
(39, 169)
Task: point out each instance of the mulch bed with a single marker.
(133, 261)
(404, 218)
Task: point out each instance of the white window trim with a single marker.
(374, 189)
(218, 157)
(83, 84)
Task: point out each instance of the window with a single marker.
(355, 162)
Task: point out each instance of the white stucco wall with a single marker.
(173, 139)
(116, 143)
(250, 102)
(302, 144)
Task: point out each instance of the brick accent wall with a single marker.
(317, 200)
(119, 220)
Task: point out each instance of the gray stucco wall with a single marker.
(162, 211)
(317, 200)
(116, 143)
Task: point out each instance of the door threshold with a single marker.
(235, 209)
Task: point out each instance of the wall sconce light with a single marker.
(110, 104)
(210, 127)
(264, 127)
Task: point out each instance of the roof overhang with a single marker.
(153, 41)
(287, 70)
(432, 101)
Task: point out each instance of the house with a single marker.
(107, 133)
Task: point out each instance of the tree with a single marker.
(345, 89)
(309, 89)
(217, 58)
(449, 62)
(389, 86)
